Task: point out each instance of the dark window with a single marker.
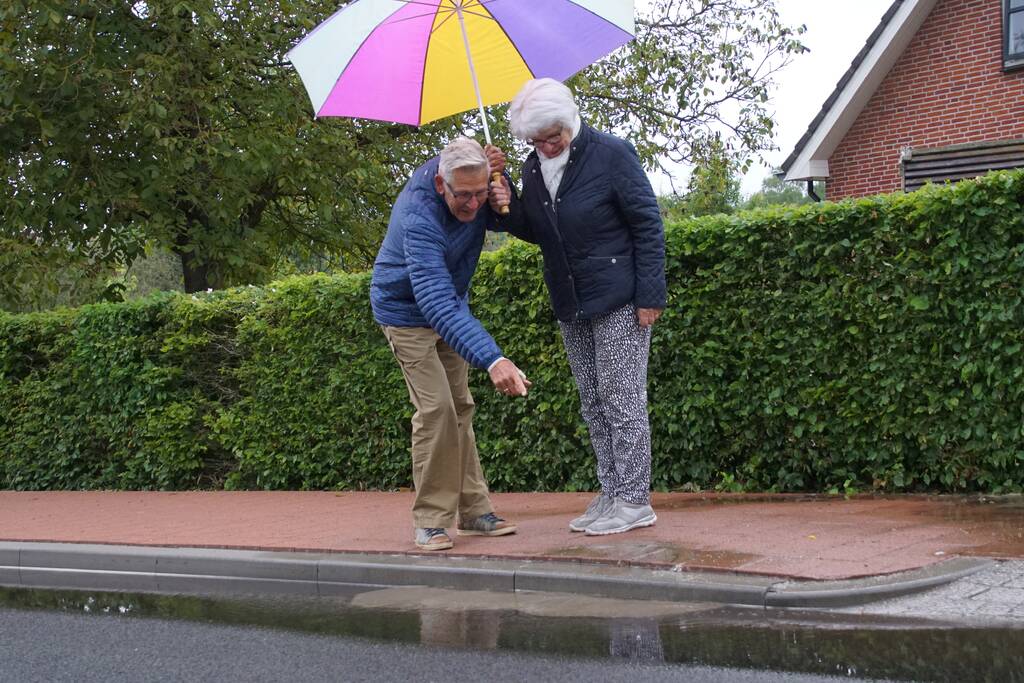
(1013, 31)
(949, 164)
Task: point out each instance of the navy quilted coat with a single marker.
(423, 270)
(601, 235)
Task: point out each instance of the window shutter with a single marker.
(941, 164)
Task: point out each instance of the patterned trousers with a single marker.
(608, 356)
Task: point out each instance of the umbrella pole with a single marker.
(472, 73)
(496, 177)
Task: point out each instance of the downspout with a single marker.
(810, 191)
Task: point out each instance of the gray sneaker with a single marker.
(428, 538)
(488, 524)
(621, 517)
(597, 507)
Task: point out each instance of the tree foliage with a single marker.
(37, 277)
(157, 271)
(713, 186)
(698, 70)
(177, 124)
(775, 191)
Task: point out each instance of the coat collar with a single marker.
(577, 148)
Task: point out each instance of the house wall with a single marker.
(947, 88)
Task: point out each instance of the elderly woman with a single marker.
(589, 205)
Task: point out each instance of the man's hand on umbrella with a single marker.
(501, 194)
(647, 316)
(496, 159)
(508, 379)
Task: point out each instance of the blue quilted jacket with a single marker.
(601, 235)
(424, 267)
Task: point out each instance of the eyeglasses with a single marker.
(464, 197)
(548, 141)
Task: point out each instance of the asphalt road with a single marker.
(52, 646)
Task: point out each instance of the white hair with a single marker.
(462, 153)
(541, 104)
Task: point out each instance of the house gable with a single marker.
(933, 78)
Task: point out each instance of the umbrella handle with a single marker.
(496, 177)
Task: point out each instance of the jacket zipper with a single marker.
(565, 255)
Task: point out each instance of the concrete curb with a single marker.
(795, 594)
(203, 570)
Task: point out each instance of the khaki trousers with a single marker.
(445, 466)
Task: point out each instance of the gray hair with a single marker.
(541, 103)
(462, 153)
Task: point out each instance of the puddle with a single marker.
(674, 502)
(812, 643)
(525, 603)
(655, 553)
(994, 524)
(998, 519)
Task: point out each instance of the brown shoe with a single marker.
(432, 539)
(486, 525)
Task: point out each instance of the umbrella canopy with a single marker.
(415, 61)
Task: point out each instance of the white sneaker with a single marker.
(600, 505)
(622, 516)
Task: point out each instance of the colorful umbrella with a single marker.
(414, 61)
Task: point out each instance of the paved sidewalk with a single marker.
(802, 537)
(763, 538)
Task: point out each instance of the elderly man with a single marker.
(420, 297)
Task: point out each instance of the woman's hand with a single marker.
(647, 316)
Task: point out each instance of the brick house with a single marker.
(937, 93)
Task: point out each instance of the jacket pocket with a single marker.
(604, 277)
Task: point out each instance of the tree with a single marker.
(157, 271)
(37, 278)
(775, 190)
(713, 186)
(177, 125)
(699, 70)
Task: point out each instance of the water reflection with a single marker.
(638, 640)
(813, 643)
(477, 630)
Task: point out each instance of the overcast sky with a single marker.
(836, 31)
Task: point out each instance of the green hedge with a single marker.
(864, 345)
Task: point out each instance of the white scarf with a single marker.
(553, 169)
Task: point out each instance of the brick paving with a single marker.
(804, 537)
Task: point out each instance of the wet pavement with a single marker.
(435, 631)
(342, 565)
(992, 596)
(787, 536)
